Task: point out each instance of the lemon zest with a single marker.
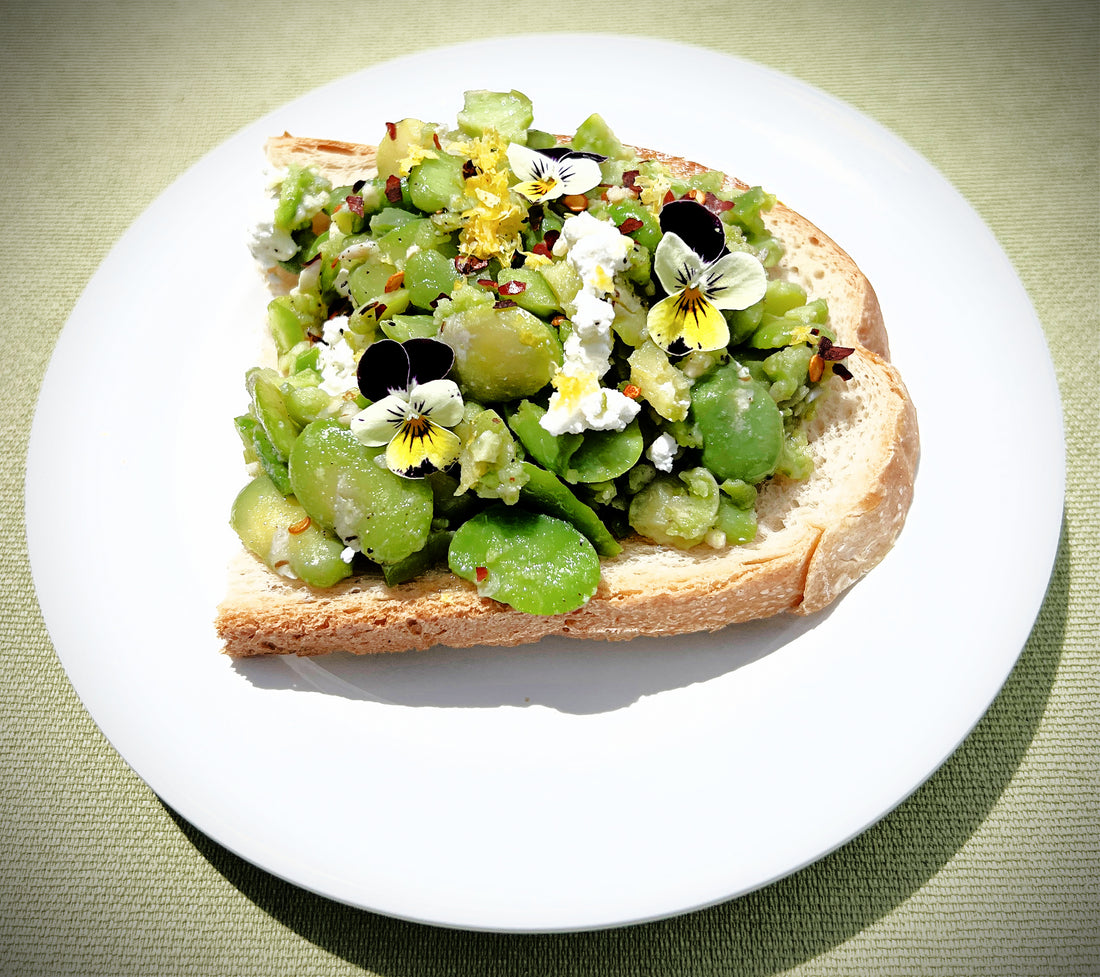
(491, 227)
(416, 156)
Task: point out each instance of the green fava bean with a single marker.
(677, 510)
(436, 182)
(536, 563)
(738, 525)
(269, 408)
(529, 290)
(545, 492)
(509, 113)
(279, 532)
(404, 327)
(649, 231)
(741, 426)
(428, 275)
(433, 554)
(340, 483)
(255, 440)
(501, 354)
(605, 455)
(549, 451)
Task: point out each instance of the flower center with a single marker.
(691, 303)
(543, 186)
(417, 427)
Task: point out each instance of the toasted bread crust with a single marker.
(817, 537)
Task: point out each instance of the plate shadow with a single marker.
(765, 932)
(567, 674)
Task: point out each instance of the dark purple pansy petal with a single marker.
(429, 359)
(699, 228)
(383, 368)
(560, 152)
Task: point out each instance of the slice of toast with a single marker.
(816, 537)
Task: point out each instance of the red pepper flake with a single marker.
(631, 391)
(488, 283)
(557, 321)
(541, 248)
(299, 527)
(504, 304)
(395, 281)
(512, 288)
(393, 188)
(467, 264)
(435, 139)
(631, 224)
(832, 353)
(669, 197)
(391, 130)
(355, 203)
(341, 305)
(482, 574)
(714, 205)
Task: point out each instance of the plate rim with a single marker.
(39, 560)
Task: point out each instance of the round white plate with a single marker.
(567, 785)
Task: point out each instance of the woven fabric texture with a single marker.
(990, 868)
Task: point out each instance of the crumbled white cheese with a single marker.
(580, 404)
(270, 244)
(336, 359)
(715, 539)
(346, 512)
(340, 283)
(356, 253)
(662, 451)
(279, 554)
(310, 204)
(597, 250)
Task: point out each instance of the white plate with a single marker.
(566, 785)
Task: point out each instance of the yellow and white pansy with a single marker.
(413, 405)
(546, 174)
(701, 278)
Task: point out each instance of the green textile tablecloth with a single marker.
(990, 868)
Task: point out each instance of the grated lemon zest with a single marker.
(491, 227)
(416, 155)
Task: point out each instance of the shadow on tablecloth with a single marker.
(761, 933)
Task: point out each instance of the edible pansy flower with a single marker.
(701, 278)
(546, 174)
(412, 405)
